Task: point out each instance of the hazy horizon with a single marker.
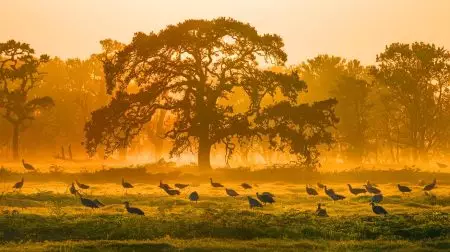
(358, 29)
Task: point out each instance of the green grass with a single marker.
(223, 224)
(206, 244)
(50, 219)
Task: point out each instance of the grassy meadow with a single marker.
(44, 216)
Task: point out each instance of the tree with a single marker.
(417, 80)
(352, 91)
(321, 73)
(348, 82)
(194, 69)
(18, 76)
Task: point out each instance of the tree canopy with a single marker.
(193, 69)
(19, 74)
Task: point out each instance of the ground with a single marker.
(47, 217)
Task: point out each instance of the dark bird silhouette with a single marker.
(254, 202)
(181, 186)
(194, 196)
(172, 192)
(164, 186)
(88, 203)
(133, 210)
(82, 186)
(334, 196)
(99, 204)
(356, 191)
(246, 186)
(441, 165)
(370, 184)
(320, 185)
(431, 186)
(27, 166)
(231, 192)
(73, 190)
(328, 191)
(372, 190)
(215, 184)
(18, 185)
(311, 191)
(269, 194)
(265, 198)
(378, 209)
(377, 198)
(126, 184)
(320, 211)
(403, 189)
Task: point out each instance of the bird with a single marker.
(215, 184)
(73, 190)
(28, 166)
(441, 165)
(377, 198)
(269, 194)
(246, 186)
(82, 186)
(126, 185)
(431, 186)
(370, 184)
(403, 189)
(320, 185)
(172, 192)
(181, 186)
(194, 196)
(231, 192)
(378, 209)
(311, 191)
(164, 186)
(356, 191)
(88, 203)
(265, 198)
(133, 210)
(254, 202)
(99, 204)
(18, 185)
(372, 190)
(320, 211)
(334, 196)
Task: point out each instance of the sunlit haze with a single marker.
(349, 28)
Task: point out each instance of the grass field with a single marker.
(49, 218)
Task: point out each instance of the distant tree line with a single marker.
(220, 86)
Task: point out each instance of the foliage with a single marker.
(417, 77)
(19, 74)
(190, 69)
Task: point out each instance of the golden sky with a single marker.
(349, 28)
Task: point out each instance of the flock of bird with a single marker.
(259, 201)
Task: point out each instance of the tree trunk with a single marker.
(123, 154)
(15, 142)
(204, 152)
(158, 141)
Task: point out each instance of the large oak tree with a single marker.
(194, 70)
